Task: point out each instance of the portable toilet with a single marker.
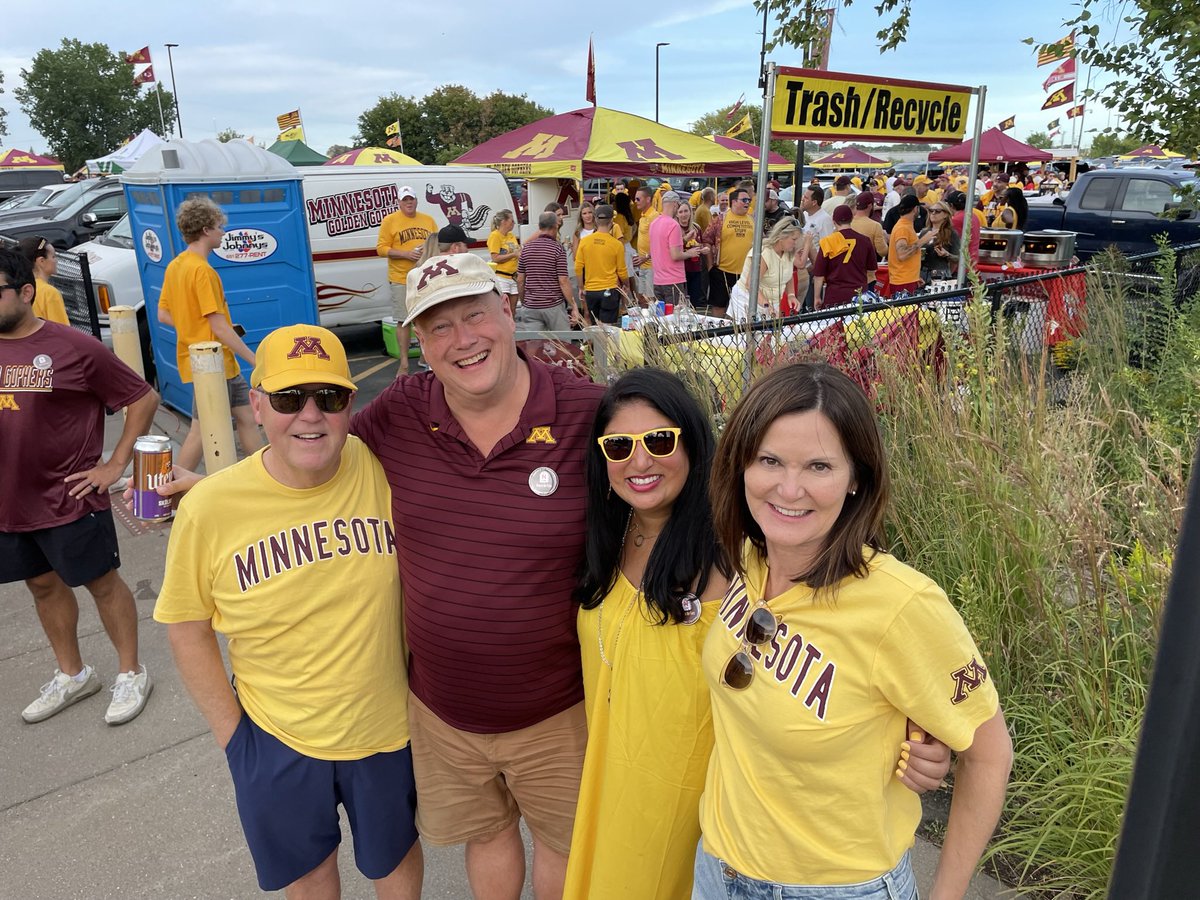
(264, 261)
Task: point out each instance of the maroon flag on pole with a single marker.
(591, 74)
(1075, 111)
(1008, 124)
(733, 109)
(146, 76)
(1061, 97)
(1064, 72)
(140, 58)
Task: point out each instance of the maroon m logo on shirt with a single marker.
(442, 267)
(966, 679)
(310, 345)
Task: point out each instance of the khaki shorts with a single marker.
(476, 785)
(399, 295)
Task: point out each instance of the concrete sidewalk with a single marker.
(146, 811)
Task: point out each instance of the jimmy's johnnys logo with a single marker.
(243, 245)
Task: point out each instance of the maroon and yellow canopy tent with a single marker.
(850, 158)
(994, 146)
(595, 142)
(775, 162)
(19, 159)
(372, 156)
(1150, 151)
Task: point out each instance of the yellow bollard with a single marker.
(122, 320)
(212, 405)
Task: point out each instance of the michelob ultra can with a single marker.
(151, 469)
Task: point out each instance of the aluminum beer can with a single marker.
(151, 469)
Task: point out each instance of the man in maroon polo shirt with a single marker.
(485, 456)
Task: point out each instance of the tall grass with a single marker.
(1048, 509)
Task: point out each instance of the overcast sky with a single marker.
(239, 64)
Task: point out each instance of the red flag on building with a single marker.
(1075, 111)
(1058, 50)
(146, 76)
(140, 58)
(591, 74)
(1061, 97)
(1064, 72)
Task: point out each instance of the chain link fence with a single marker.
(1041, 315)
(74, 282)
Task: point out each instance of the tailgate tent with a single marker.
(298, 153)
(994, 146)
(125, 155)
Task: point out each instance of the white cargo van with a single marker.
(344, 206)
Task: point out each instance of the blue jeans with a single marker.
(716, 880)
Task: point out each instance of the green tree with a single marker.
(1111, 144)
(716, 122)
(337, 150)
(228, 134)
(83, 101)
(1154, 83)
(1038, 139)
(3, 112)
(447, 122)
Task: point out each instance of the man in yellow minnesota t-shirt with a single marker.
(731, 235)
(401, 237)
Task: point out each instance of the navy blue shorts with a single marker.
(288, 806)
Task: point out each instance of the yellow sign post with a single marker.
(811, 104)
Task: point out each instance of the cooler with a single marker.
(265, 261)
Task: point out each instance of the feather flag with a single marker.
(591, 74)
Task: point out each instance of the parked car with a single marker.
(46, 196)
(1127, 208)
(908, 170)
(80, 213)
(18, 181)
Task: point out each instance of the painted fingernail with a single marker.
(905, 747)
(916, 736)
(903, 765)
(904, 754)
(899, 774)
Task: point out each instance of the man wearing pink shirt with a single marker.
(667, 253)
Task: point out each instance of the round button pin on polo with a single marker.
(42, 362)
(691, 609)
(543, 481)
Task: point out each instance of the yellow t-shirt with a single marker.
(868, 227)
(48, 303)
(622, 228)
(602, 257)
(638, 820)
(192, 290)
(305, 586)
(800, 787)
(400, 232)
(643, 236)
(901, 271)
(702, 217)
(504, 243)
(737, 236)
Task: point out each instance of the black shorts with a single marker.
(604, 305)
(288, 806)
(720, 283)
(79, 551)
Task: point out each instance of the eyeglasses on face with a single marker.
(291, 401)
(760, 628)
(659, 443)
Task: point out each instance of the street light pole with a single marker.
(657, 47)
(174, 93)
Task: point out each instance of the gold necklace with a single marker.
(638, 537)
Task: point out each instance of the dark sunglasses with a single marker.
(760, 628)
(328, 400)
(658, 443)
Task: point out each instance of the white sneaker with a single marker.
(130, 693)
(60, 692)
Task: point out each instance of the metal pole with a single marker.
(760, 209)
(964, 255)
(161, 119)
(174, 91)
(657, 47)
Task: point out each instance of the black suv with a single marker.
(81, 212)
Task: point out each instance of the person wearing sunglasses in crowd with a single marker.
(291, 553)
(651, 571)
(823, 645)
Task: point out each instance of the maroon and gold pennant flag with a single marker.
(1056, 51)
(1061, 97)
(146, 76)
(140, 58)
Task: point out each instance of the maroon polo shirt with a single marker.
(487, 564)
